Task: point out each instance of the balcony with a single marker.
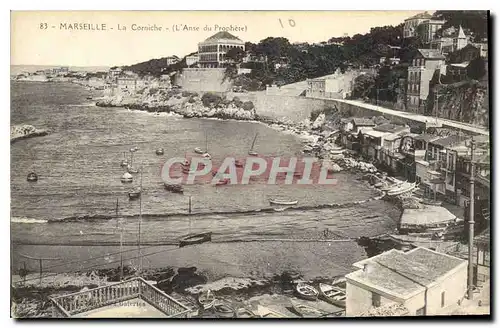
(107, 301)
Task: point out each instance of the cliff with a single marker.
(187, 104)
(466, 101)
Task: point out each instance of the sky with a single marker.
(44, 38)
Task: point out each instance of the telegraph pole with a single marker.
(470, 288)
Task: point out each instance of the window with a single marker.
(442, 299)
(421, 311)
(375, 300)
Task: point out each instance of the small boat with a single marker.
(132, 170)
(159, 151)
(206, 299)
(401, 189)
(127, 178)
(306, 311)
(252, 152)
(306, 292)
(124, 162)
(244, 313)
(196, 239)
(134, 194)
(223, 310)
(332, 294)
(283, 202)
(32, 177)
(265, 312)
(134, 149)
(198, 150)
(174, 188)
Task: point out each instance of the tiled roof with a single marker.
(404, 274)
(431, 54)
(222, 35)
(424, 15)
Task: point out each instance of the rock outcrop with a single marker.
(18, 132)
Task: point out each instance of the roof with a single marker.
(361, 121)
(427, 216)
(447, 141)
(404, 275)
(393, 137)
(425, 137)
(431, 54)
(223, 36)
(389, 127)
(424, 15)
(461, 34)
(374, 134)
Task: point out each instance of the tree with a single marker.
(474, 20)
(476, 69)
(364, 86)
(235, 54)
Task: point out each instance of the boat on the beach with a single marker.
(134, 149)
(127, 178)
(332, 294)
(306, 292)
(206, 299)
(401, 189)
(32, 177)
(283, 202)
(177, 188)
(134, 194)
(306, 311)
(244, 313)
(265, 312)
(195, 239)
(252, 152)
(223, 310)
(159, 151)
(198, 150)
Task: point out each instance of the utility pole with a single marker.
(470, 289)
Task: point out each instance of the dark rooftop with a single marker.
(222, 35)
(447, 141)
(361, 121)
(431, 54)
(425, 137)
(389, 127)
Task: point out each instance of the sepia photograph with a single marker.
(250, 164)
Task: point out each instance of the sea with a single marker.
(76, 213)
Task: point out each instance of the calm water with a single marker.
(79, 175)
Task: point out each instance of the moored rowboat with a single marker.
(306, 311)
(306, 292)
(223, 310)
(206, 299)
(332, 294)
(283, 202)
(195, 239)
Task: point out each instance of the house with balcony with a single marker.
(132, 298)
(420, 73)
(424, 281)
(452, 40)
(428, 29)
(212, 51)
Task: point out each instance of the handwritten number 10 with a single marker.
(291, 22)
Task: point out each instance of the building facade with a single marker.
(212, 51)
(192, 59)
(411, 24)
(424, 281)
(420, 73)
(429, 28)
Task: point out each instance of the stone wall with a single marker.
(203, 80)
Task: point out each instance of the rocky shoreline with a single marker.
(19, 132)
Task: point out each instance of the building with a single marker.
(212, 51)
(420, 73)
(424, 281)
(172, 60)
(457, 72)
(126, 83)
(429, 28)
(192, 59)
(483, 48)
(452, 40)
(411, 24)
(482, 253)
(132, 298)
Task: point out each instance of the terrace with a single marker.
(131, 298)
